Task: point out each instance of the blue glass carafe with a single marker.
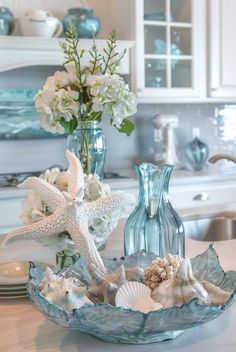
(154, 225)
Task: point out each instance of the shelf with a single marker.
(175, 57)
(17, 52)
(166, 23)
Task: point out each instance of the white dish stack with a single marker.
(13, 280)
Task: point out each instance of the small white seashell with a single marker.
(217, 295)
(180, 289)
(136, 296)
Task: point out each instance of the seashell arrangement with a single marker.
(136, 296)
(166, 282)
(122, 288)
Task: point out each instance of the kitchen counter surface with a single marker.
(24, 329)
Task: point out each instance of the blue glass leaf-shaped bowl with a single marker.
(120, 325)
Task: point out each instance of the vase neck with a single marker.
(153, 186)
(88, 124)
(80, 10)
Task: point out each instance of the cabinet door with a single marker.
(222, 49)
(170, 49)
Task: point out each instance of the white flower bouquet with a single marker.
(84, 93)
(34, 208)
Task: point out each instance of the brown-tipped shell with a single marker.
(180, 289)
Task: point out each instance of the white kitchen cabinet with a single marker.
(170, 49)
(222, 49)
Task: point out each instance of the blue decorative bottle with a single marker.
(196, 151)
(154, 225)
(87, 24)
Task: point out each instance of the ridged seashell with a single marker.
(180, 289)
(136, 296)
(63, 292)
(134, 274)
(216, 294)
(105, 286)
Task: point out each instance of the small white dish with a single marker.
(14, 273)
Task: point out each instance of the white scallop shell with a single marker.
(136, 296)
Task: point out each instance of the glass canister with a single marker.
(88, 144)
(154, 225)
(196, 151)
(87, 24)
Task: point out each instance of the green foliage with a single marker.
(126, 127)
(69, 126)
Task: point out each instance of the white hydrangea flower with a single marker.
(34, 209)
(112, 95)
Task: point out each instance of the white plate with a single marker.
(14, 273)
(12, 287)
(4, 292)
(13, 297)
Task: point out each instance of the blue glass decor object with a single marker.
(196, 152)
(7, 21)
(87, 24)
(19, 119)
(119, 325)
(88, 143)
(4, 27)
(154, 225)
(160, 48)
(155, 16)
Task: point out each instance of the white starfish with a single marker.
(70, 212)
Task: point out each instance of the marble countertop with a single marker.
(23, 328)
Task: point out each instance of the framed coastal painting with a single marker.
(18, 117)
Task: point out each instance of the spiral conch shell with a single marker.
(180, 289)
(63, 292)
(216, 294)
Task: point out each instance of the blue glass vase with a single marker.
(88, 144)
(7, 21)
(87, 24)
(154, 225)
(196, 153)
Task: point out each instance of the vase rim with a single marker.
(79, 9)
(151, 166)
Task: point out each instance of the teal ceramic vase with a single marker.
(87, 24)
(7, 21)
(154, 225)
(87, 142)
